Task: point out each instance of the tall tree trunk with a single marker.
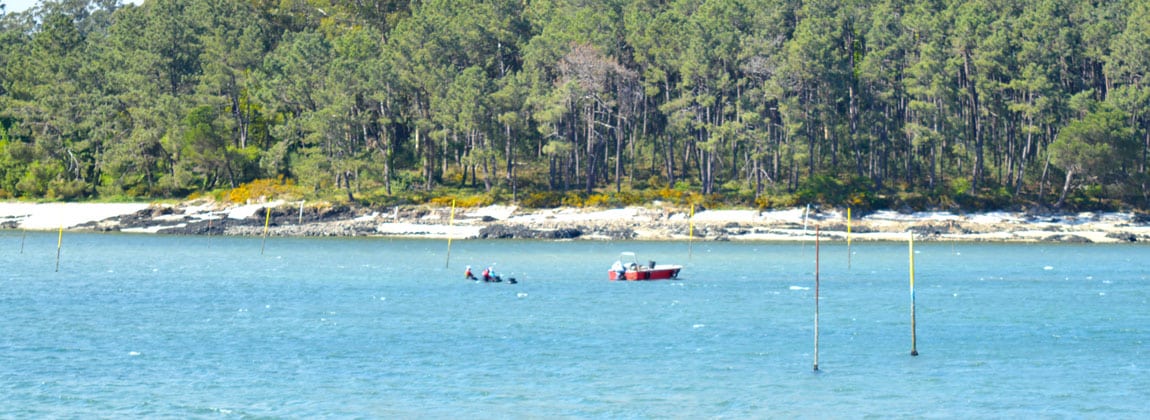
(1065, 188)
(976, 124)
(618, 153)
(487, 173)
(551, 173)
(591, 151)
(510, 161)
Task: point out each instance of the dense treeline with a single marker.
(978, 103)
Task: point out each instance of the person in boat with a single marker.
(618, 268)
(467, 274)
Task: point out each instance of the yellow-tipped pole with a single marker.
(267, 221)
(816, 298)
(848, 238)
(913, 333)
(450, 223)
(59, 244)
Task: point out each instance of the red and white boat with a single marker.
(627, 267)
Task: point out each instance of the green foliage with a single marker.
(14, 159)
(619, 102)
(629, 198)
(777, 201)
(1098, 146)
(959, 187)
(35, 181)
(65, 190)
(542, 200)
(822, 189)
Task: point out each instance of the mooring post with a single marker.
(816, 298)
(848, 238)
(59, 244)
(913, 333)
(267, 220)
(450, 224)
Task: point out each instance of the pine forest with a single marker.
(923, 104)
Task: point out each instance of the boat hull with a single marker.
(660, 272)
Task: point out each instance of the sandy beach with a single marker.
(653, 222)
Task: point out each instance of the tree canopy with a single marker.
(888, 103)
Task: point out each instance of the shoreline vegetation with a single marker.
(656, 221)
(740, 103)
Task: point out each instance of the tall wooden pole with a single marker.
(805, 216)
(267, 221)
(59, 244)
(913, 332)
(450, 223)
(690, 232)
(816, 298)
(848, 238)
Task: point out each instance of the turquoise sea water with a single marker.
(179, 327)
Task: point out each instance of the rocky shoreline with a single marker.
(654, 222)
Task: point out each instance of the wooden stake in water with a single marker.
(23, 236)
(848, 238)
(267, 221)
(690, 232)
(59, 244)
(805, 216)
(816, 298)
(913, 333)
(450, 223)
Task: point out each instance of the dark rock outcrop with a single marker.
(1070, 239)
(501, 231)
(1125, 237)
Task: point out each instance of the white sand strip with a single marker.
(47, 216)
